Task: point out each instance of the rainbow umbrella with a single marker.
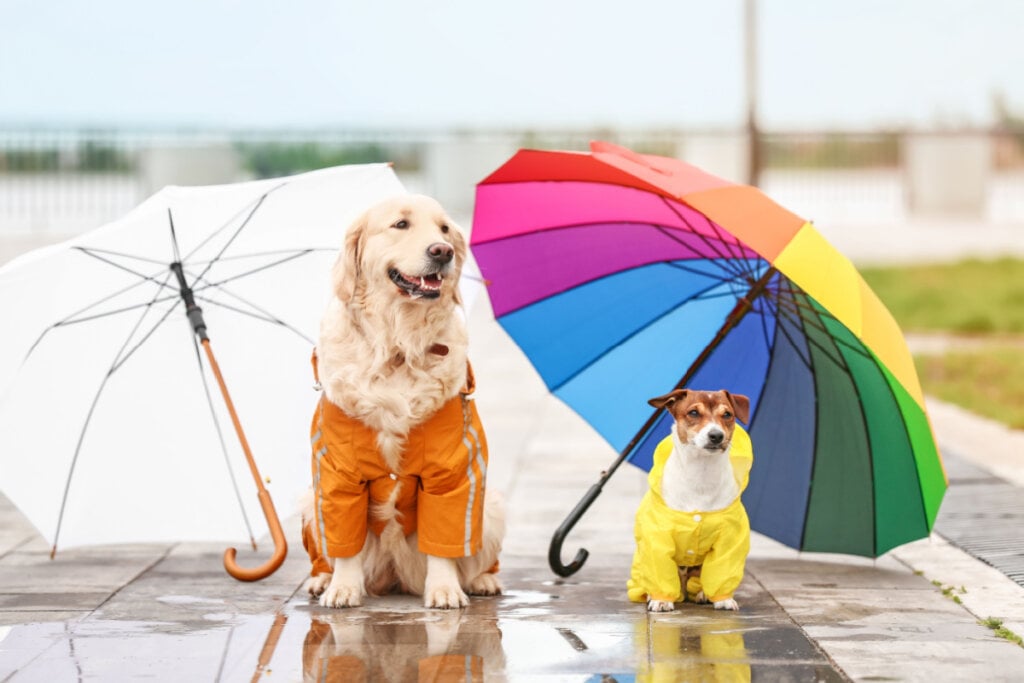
(622, 275)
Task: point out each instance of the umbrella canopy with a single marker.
(111, 429)
(622, 275)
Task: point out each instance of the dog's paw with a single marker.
(729, 604)
(701, 599)
(660, 606)
(485, 584)
(445, 597)
(342, 596)
(315, 585)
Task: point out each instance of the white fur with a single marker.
(375, 363)
(696, 480)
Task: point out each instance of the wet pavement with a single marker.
(171, 613)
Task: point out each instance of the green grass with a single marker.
(968, 297)
(1001, 631)
(988, 380)
(980, 299)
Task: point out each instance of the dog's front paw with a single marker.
(729, 604)
(485, 584)
(445, 597)
(342, 595)
(660, 606)
(701, 599)
(315, 585)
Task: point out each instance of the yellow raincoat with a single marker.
(668, 539)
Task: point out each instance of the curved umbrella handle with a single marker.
(280, 546)
(555, 549)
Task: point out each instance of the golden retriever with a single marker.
(392, 354)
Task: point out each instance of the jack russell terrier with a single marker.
(692, 532)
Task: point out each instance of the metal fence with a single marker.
(64, 182)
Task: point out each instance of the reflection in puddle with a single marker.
(680, 651)
(446, 648)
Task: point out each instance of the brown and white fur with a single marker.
(698, 474)
(396, 302)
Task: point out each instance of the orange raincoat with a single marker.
(441, 494)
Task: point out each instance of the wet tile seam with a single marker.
(132, 580)
(814, 643)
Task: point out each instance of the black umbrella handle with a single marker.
(555, 549)
(194, 312)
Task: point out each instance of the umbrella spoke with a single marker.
(72, 320)
(95, 254)
(257, 254)
(220, 437)
(234, 235)
(92, 251)
(141, 341)
(115, 364)
(201, 277)
(261, 315)
(728, 255)
(611, 347)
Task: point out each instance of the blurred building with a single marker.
(56, 183)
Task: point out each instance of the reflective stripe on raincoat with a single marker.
(441, 494)
(667, 539)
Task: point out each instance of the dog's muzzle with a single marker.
(426, 286)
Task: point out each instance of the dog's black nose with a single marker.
(715, 437)
(440, 252)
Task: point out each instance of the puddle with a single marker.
(188, 600)
(516, 636)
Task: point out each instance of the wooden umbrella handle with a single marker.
(276, 533)
(280, 546)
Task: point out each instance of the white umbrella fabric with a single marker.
(112, 429)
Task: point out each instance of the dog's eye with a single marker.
(727, 415)
(401, 225)
(444, 228)
(694, 413)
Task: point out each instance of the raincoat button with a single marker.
(696, 518)
(689, 552)
(393, 476)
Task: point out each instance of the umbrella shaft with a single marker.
(194, 312)
(234, 416)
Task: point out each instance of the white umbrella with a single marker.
(112, 428)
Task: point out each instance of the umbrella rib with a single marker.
(126, 356)
(729, 256)
(200, 278)
(266, 317)
(814, 322)
(255, 254)
(88, 419)
(721, 261)
(229, 221)
(629, 336)
(234, 235)
(95, 250)
(89, 252)
(220, 437)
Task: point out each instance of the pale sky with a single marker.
(477, 63)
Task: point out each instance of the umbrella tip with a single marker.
(53, 551)
(253, 541)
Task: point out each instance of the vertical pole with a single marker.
(754, 160)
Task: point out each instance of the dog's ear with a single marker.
(458, 242)
(346, 271)
(740, 406)
(668, 399)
